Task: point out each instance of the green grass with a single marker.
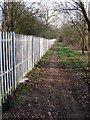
(17, 99)
(22, 89)
(71, 59)
(34, 74)
(44, 59)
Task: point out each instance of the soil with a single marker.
(57, 94)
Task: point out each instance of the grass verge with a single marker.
(71, 59)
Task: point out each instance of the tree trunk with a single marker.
(12, 20)
(83, 53)
(88, 40)
(89, 49)
(83, 47)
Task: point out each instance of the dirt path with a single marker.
(58, 93)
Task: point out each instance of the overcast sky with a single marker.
(52, 0)
(48, 0)
(32, 0)
(40, 0)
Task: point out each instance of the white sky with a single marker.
(52, 0)
(31, 0)
(48, 0)
(39, 0)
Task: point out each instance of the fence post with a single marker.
(0, 100)
(0, 80)
(13, 58)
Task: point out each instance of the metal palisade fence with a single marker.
(18, 55)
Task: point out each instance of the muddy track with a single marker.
(59, 94)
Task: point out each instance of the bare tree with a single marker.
(75, 9)
(82, 9)
(45, 12)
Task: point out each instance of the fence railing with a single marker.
(18, 55)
